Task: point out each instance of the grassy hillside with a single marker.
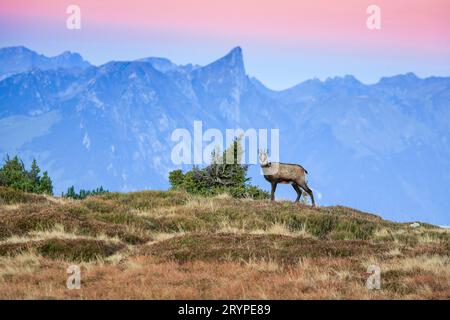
(165, 245)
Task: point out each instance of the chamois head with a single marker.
(263, 159)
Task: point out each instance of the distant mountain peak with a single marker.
(20, 59)
(156, 59)
(69, 54)
(235, 52)
(16, 49)
(66, 53)
(235, 58)
(400, 80)
(161, 64)
(68, 59)
(405, 76)
(408, 76)
(347, 79)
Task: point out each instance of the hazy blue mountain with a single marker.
(382, 147)
(19, 59)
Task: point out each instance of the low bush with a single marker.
(225, 174)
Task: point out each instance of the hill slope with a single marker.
(166, 245)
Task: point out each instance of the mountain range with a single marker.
(19, 59)
(383, 147)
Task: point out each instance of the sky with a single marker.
(284, 42)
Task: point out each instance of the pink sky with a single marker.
(419, 27)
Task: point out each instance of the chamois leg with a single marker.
(309, 191)
(272, 194)
(298, 190)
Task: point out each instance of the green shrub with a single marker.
(221, 176)
(13, 174)
(82, 194)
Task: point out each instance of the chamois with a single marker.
(294, 174)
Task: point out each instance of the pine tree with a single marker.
(45, 184)
(226, 173)
(71, 193)
(14, 175)
(34, 175)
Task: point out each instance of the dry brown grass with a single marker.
(143, 277)
(169, 245)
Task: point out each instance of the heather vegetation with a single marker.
(174, 244)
